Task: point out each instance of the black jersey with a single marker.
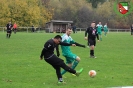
(49, 46)
(92, 33)
(131, 28)
(9, 26)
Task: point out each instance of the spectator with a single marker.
(132, 29)
(15, 27)
(32, 28)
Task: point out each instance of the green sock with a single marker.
(63, 72)
(101, 38)
(75, 64)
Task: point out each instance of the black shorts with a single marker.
(8, 31)
(54, 60)
(91, 42)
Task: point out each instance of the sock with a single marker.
(63, 72)
(6, 35)
(92, 52)
(75, 64)
(101, 38)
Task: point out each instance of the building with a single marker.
(57, 26)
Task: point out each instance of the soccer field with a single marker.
(20, 66)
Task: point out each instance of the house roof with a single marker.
(59, 21)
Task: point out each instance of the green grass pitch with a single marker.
(20, 66)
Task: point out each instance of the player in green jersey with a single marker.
(105, 29)
(72, 60)
(99, 30)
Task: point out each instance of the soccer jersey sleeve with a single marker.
(87, 31)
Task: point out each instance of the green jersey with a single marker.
(99, 27)
(105, 28)
(67, 39)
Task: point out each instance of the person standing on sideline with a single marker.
(9, 29)
(105, 29)
(55, 61)
(32, 28)
(74, 29)
(99, 30)
(72, 60)
(92, 34)
(15, 27)
(132, 29)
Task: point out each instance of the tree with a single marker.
(96, 2)
(24, 12)
(85, 17)
(4, 13)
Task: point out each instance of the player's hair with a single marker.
(57, 37)
(93, 22)
(69, 28)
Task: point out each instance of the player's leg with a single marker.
(7, 35)
(65, 67)
(71, 58)
(68, 62)
(92, 46)
(105, 32)
(64, 71)
(15, 30)
(100, 35)
(76, 61)
(59, 76)
(54, 60)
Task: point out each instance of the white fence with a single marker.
(110, 30)
(23, 29)
(119, 30)
(79, 30)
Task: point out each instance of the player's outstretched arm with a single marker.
(86, 32)
(65, 44)
(80, 45)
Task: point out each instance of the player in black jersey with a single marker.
(9, 29)
(92, 34)
(55, 61)
(132, 29)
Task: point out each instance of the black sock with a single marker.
(92, 52)
(6, 35)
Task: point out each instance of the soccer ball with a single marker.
(92, 73)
